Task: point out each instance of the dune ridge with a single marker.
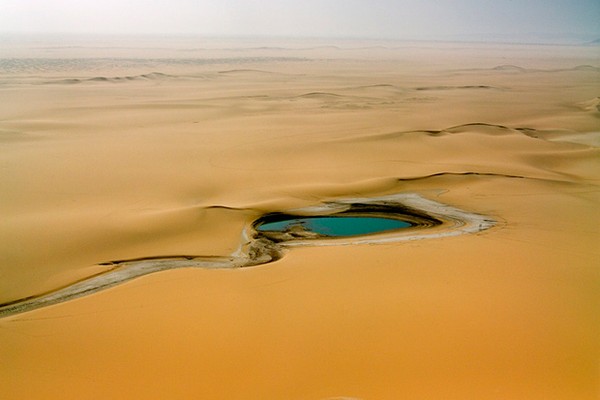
(484, 128)
(508, 68)
(46, 65)
(115, 79)
(456, 87)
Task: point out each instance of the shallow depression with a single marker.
(269, 236)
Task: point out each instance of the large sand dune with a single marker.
(116, 154)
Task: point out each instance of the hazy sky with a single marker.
(306, 18)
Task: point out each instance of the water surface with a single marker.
(337, 225)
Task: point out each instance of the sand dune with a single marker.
(258, 248)
(591, 105)
(110, 172)
(455, 87)
(70, 65)
(509, 68)
(246, 71)
(516, 68)
(115, 79)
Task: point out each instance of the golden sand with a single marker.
(176, 152)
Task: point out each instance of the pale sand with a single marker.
(104, 160)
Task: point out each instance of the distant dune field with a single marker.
(115, 155)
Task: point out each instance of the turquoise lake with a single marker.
(338, 225)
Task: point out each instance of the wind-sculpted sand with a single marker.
(257, 248)
(132, 179)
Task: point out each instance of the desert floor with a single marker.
(119, 151)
